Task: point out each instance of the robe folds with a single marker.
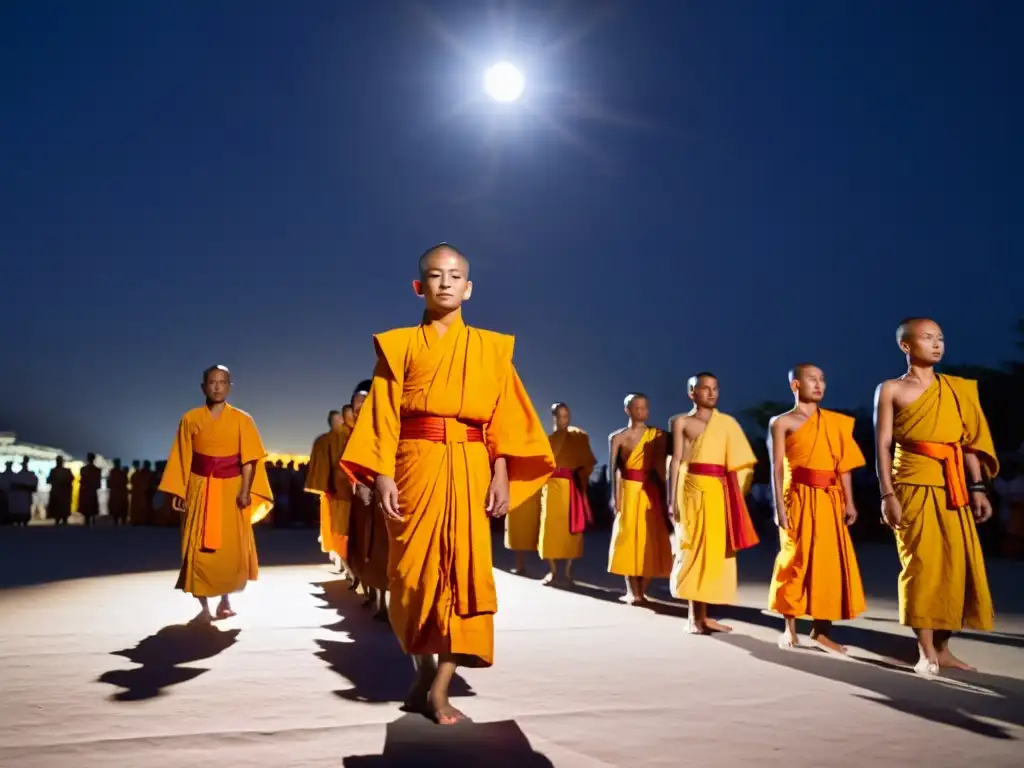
(218, 551)
(943, 584)
(460, 404)
(325, 479)
(705, 567)
(816, 572)
(368, 544)
(564, 509)
(641, 545)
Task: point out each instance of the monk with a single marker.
(564, 509)
(89, 481)
(369, 534)
(812, 452)
(334, 498)
(933, 494)
(641, 547)
(117, 493)
(348, 415)
(141, 512)
(62, 486)
(217, 480)
(447, 437)
(710, 473)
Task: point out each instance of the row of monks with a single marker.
(445, 437)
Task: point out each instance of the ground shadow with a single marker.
(994, 638)
(160, 657)
(958, 699)
(371, 660)
(413, 741)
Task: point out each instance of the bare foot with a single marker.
(201, 619)
(828, 643)
(788, 641)
(443, 712)
(549, 580)
(949, 661)
(637, 600)
(927, 667)
(697, 628)
(519, 572)
(716, 626)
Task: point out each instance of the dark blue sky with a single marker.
(731, 186)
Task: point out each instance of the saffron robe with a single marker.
(816, 571)
(641, 545)
(210, 502)
(62, 483)
(89, 480)
(440, 571)
(943, 584)
(368, 545)
(572, 452)
(325, 479)
(117, 493)
(705, 568)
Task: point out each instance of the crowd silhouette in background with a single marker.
(132, 496)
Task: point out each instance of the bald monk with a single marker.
(348, 415)
(564, 508)
(141, 512)
(334, 498)
(117, 493)
(709, 476)
(933, 494)
(812, 453)
(447, 437)
(641, 547)
(217, 480)
(89, 481)
(369, 534)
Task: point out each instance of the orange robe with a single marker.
(943, 584)
(117, 494)
(89, 480)
(705, 570)
(218, 551)
(816, 571)
(325, 479)
(368, 547)
(573, 456)
(440, 571)
(641, 544)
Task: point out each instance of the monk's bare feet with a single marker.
(789, 641)
(201, 619)
(637, 600)
(224, 610)
(550, 580)
(927, 667)
(948, 661)
(827, 643)
(519, 572)
(443, 712)
(716, 626)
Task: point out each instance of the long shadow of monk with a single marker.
(993, 638)
(965, 701)
(413, 741)
(371, 660)
(160, 657)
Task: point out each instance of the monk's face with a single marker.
(348, 416)
(445, 283)
(217, 386)
(562, 417)
(924, 342)
(639, 410)
(337, 422)
(705, 392)
(357, 404)
(809, 385)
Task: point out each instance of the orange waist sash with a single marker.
(822, 479)
(438, 429)
(739, 527)
(214, 469)
(952, 457)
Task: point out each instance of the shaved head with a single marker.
(213, 369)
(908, 326)
(694, 380)
(800, 369)
(631, 397)
(424, 263)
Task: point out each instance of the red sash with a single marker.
(952, 457)
(580, 515)
(214, 468)
(739, 526)
(438, 429)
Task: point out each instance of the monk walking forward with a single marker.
(812, 453)
(217, 479)
(325, 479)
(710, 474)
(447, 437)
(933, 494)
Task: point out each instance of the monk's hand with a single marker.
(364, 494)
(177, 504)
(892, 512)
(243, 500)
(780, 519)
(981, 506)
(850, 515)
(498, 493)
(387, 496)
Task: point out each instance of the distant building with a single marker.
(41, 460)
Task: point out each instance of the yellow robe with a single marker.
(705, 570)
(205, 572)
(325, 479)
(943, 584)
(816, 571)
(440, 570)
(641, 544)
(571, 450)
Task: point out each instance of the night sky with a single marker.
(734, 186)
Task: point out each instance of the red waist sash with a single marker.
(654, 489)
(952, 457)
(438, 429)
(822, 479)
(580, 515)
(739, 527)
(214, 468)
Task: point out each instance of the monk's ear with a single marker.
(794, 386)
(469, 290)
(417, 287)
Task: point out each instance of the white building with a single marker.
(42, 459)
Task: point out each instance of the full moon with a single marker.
(504, 82)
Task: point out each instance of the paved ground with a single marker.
(97, 669)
